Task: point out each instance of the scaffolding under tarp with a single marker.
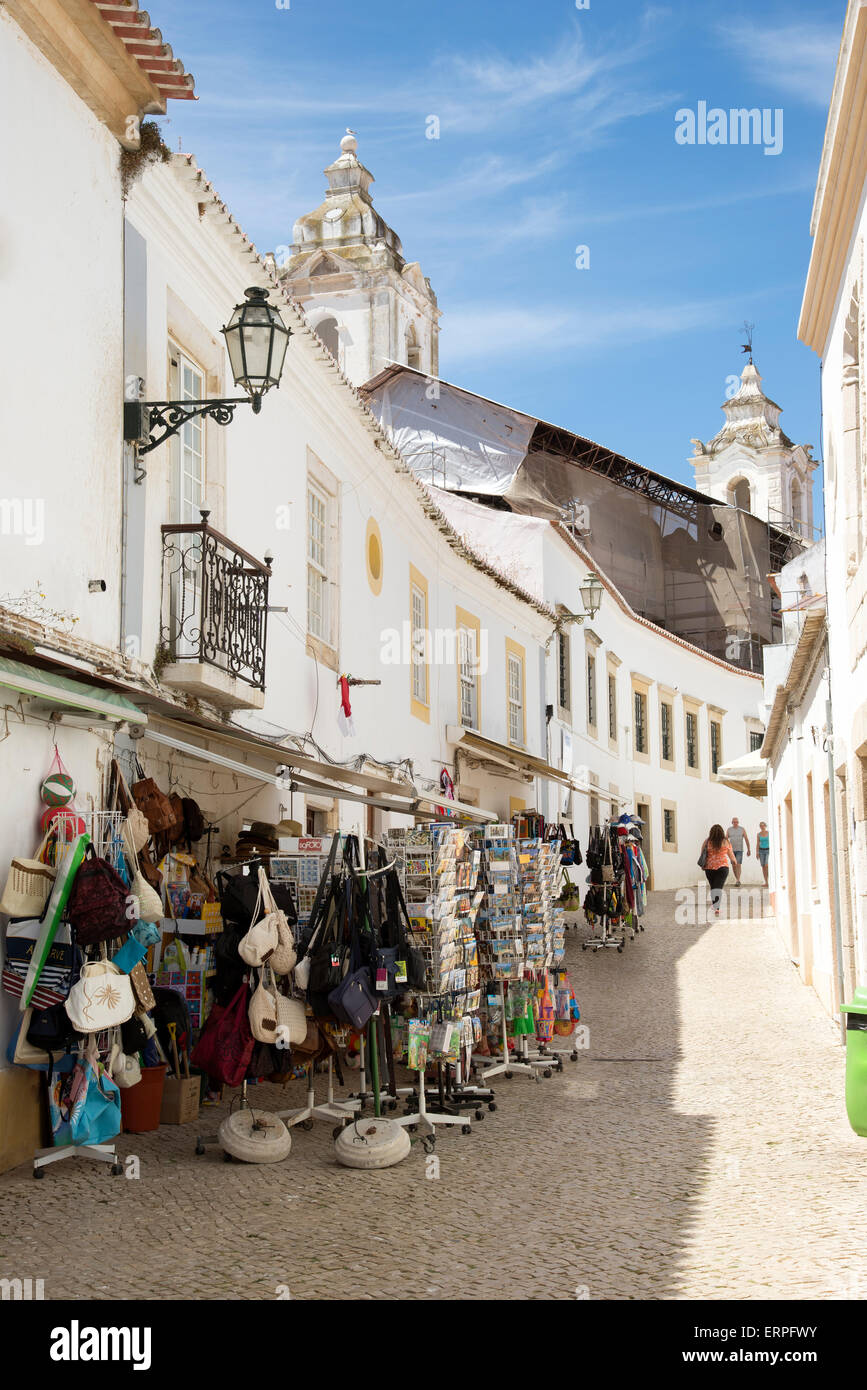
(693, 565)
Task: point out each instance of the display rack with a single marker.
(501, 937)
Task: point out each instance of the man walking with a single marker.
(738, 837)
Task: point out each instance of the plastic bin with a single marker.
(140, 1104)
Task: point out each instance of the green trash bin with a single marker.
(856, 1061)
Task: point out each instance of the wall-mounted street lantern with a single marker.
(591, 594)
(256, 340)
(591, 597)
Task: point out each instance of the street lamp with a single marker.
(591, 594)
(256, 340)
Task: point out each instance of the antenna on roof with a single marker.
(748, 345)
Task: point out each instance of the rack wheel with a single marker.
(583, 945)
(308, 1123)
(560, 1066)
(620, 950)
(227, 1158)
(117, 1170)
(337, 1131)
(492, 1105)
(573, 1056)
(392, 1105)
(508, 1075)
(547, 1072)
(200, 1148)
(39, 1172)
(412, 1128)
(466, 1129)
(428, 1143)
(480, 1114)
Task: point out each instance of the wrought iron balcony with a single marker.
(214, 609)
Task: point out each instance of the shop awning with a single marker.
(748, 774)
(303, 774)
(62, 692)
(523, 764)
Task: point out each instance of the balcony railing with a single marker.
(214, 602)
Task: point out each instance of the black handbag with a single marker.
(239, 893)
(51, 1030)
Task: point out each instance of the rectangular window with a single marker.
(591, 691)
(419, 639)
(515, 684)
(756, 741)
(317, 558)
(640, 716)
(564, 693)
(612, 706)
(187, 381)
(691, 739)
(715, 745)
(669, 826)
(666, 746)
(468, 666)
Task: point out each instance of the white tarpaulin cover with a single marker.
(451, 439)
(509, 541)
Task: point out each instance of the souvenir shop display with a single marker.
(616, 897)
(501, 941)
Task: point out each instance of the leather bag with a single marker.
(98, 901)
(141, 987)
(157, 807)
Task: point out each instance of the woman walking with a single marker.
(762, 848)
(716, 856)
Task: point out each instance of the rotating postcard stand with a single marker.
(504, 1064)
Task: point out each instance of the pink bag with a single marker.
(225, 1047)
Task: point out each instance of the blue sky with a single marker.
(557, 130)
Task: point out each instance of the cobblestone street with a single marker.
(698, 1149)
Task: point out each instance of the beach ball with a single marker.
(58, 789)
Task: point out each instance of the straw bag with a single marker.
(28, 884)
(270, 939)
(274, 1017)
(150, 904)
(135, 831)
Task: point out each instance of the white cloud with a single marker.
(798, 58)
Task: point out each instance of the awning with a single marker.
(523, 764)
(61, 692)
(302, 774)
(748, 774)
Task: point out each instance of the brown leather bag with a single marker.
(156, 805)
(177, 831)
(150, 872)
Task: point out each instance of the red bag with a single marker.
(98, 901)
(225, 1047)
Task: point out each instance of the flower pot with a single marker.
(140, 1104)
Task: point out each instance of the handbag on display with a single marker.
(95, 1110)
(353, 1001)
(149, 904)
(275, 1016)
(259, 943)
(283, 958)
(194, 821)
(101, 998)
(238, 894)
(608, 875)
(570, 850)
(226, 1042)
(98, 901)
(129, 955)
(141, 987)
(56, 975)
(124, 1068)
(149, 871)
(157, 807)
(29, 883)
(146, 933)
(177, 830)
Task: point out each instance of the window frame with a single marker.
(640, 688)
(315, 493)
(669, 808)
(692, 710)
(419, 707)
(564, 673)
(516, 655)
(468, 622)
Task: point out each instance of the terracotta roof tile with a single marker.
(145, 44)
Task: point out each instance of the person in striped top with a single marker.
(718, 854)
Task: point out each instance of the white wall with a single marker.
(61, 349)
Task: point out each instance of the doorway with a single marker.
(642, 810)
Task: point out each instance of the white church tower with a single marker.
(367, 303)
(753, 465)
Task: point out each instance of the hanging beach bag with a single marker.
(226, 1044)
(94, 1116)
(98, 901)
(146, 933)
(101, 998)
(29, 883)
(149, 904)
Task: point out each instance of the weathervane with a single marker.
(748, 345)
